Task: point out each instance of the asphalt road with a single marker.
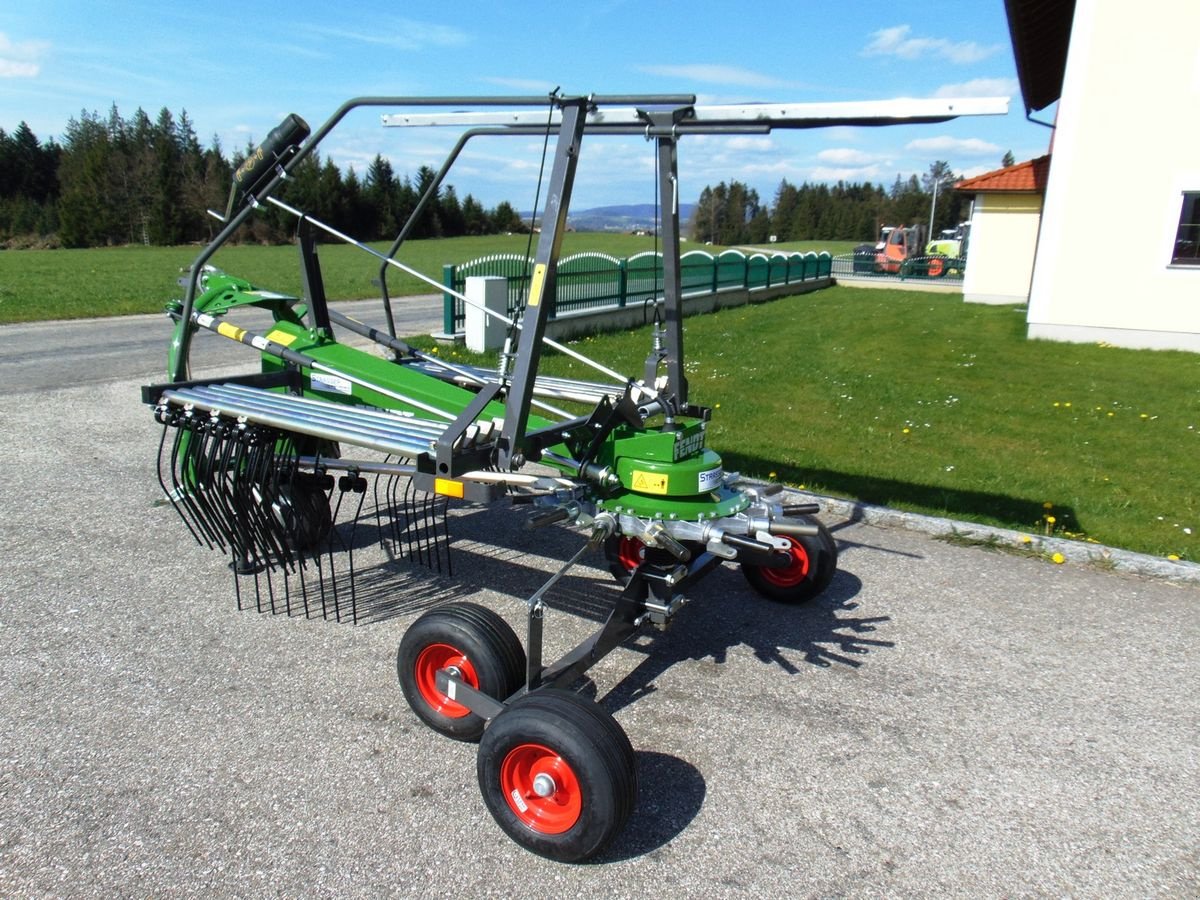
(944, 720)
(40, 355)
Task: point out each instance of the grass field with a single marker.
(913, 400)
(113, 281)
(921, 402)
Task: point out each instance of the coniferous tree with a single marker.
(475, 220)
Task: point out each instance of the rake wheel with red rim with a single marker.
(811, 566)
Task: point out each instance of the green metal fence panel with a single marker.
(757, 270)
(809, 263)
(514, 267)
(588, 280)
(777, 270)
(594, 280)
(644, 277)
(452, 307)
(795, 267)
(697, 268)
(731, 270)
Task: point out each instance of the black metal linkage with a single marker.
(312, 284)
(543, 284)
(676, 391)
(622, 622)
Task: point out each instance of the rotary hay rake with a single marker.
(257, 465)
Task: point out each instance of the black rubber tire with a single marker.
(491, 648)
(822, 555)
(586, 739)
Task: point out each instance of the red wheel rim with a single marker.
(631, 553)
(794, 572)
(433, 659)
(541, 789)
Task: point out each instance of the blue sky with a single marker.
(238, 68)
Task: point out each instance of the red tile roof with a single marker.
(1028, 177)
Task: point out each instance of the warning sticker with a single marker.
(281, 337)
(332, 384)
(649, 482)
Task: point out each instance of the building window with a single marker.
(1187, 238)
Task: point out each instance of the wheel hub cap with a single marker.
(544, 786)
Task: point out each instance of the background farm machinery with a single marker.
(903, 250)
(278, 469)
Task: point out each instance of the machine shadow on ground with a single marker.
(1014, 512)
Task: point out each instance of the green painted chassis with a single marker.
(656, 474)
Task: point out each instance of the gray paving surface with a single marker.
(94, 351)
(943, 721)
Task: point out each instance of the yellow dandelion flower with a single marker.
(1047, 505)
(1050, 520)
(1058, 559)
(770, 474)
(1173, 557)
(1026, 539)
(906, 431)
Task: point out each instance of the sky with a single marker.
(238, 68)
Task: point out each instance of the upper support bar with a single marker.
(701, 118)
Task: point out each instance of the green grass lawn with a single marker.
(925, 403)
(37, 285)
(917, 401)
(833, 248)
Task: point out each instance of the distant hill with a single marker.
(626, 218)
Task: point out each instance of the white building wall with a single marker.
(1125, 149)
(1004, 232)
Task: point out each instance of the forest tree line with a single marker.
(132, 181)
(732, 213)
(128, 181)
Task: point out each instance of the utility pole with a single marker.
(933, 210)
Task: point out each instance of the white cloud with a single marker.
(750, 144)
(980, 87)
(11, 69)
(973, 171)
(715, 74)
(847, 156)
(845, 173)
(20, 59)
(946, 144)
(898, 41)
(399, 33)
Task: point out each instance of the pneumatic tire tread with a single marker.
(591, 743)
(484, 639)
